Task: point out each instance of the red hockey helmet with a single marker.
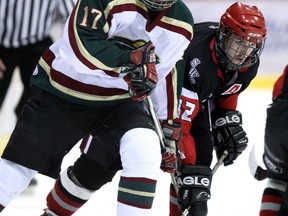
(158, 5)
(241, 36)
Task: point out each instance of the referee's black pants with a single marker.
(26, 58)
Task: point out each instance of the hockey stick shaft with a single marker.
(219, 162)
(214, 169)
(160, 133)
(156, 121)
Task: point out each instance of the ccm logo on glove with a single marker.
(190, 180)
(230, 119)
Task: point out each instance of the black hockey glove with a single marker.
(228, 134)
(194, 189)
(173, 147)
(143, 78)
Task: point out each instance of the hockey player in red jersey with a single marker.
(275, 194)
(90, 83)
(226, 61)
(219, 64)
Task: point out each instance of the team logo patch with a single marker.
(233, 89)
(203, 195)
(134, 44)
(271, 166)
(193, 73)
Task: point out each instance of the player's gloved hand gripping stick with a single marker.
(162, 139)
(142, 78)
(174, 149)
(163, 142)
(214, 169)
(229, 134)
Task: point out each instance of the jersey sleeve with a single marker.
(228, 103)
(189, 107)
(88, 30)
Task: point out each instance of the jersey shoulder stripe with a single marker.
(180, 16)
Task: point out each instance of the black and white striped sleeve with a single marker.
(25, 22)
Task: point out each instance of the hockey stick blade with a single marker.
(255, 169)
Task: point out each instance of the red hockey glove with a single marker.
(173, 147)
(144, 54)
(228, 134)
(143, 78)
(169, 160)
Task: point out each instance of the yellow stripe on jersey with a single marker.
(78, 94)
(122, 2)
(175, 85)
(178, 23)
(3, 142)
(116, 3)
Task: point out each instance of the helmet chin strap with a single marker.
(231, 77)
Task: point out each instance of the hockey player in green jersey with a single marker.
(88, 82)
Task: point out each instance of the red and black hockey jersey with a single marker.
(206, 80)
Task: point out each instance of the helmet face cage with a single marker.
(158, 5)
(241, 36)
(235, 51)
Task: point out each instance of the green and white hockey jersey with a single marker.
(86, 65)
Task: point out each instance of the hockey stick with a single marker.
(214, 169)
(219, 162)
(162, 142)
(255, 169)
(160, 133)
